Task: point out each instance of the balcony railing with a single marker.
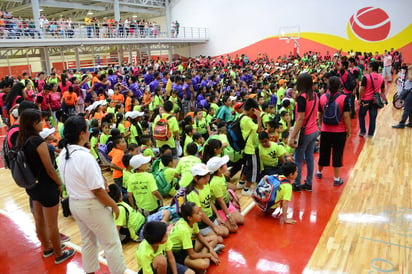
(64, 30)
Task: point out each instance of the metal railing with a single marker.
(79, 30)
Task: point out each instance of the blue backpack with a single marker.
(331, 114)
(234, 135)
(265, 192)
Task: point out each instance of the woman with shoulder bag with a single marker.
(370, 84)
(307, 130)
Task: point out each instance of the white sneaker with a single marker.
(240, 186)
(248, 192)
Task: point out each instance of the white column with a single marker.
(45, 60)
(131, 61)
(36, 13)
(116, 7)
(76, 50)
(168, 19)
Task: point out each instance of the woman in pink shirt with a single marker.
(333, 131)
(64, 84)
(307, 108)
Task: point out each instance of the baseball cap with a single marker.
(199, 169)
(282, 81)
(238, 105)
(133, 114)
(217, 162)
(139, 160)
(46, 132)
(233, 98)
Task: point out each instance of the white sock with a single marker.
(337, 179)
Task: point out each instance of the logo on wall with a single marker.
(371, 24)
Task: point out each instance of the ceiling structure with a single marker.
(78, 9)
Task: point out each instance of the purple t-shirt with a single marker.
(148, 78)
(113, 80)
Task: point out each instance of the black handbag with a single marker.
(377, 98)
(302, 129)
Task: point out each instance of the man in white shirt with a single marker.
(387, 67)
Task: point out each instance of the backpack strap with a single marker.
(127, 213)
(373, 86)
(13, 129)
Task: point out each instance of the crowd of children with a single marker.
(162, 130)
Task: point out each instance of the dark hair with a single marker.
(197, 136)
(286, 103)
(115, 132)
(117, 107)
(304, 84)
(26, 126)
(345, 64)
(263, 135)
(187, 210)
(16, 90)
(168, 106)
(283, 113)
(117, 140)
(191, 148)
(26, 105)
(119, 118)
(186, 131)
(285, 134)
(209, 149)
(71, 132)
(333, 87)
(249, 104)
(114, 192)
(126, 159)
(131, 147)
(163, 148)
(144, 139)
(166, 159)
(288, 168)
(94, 132)
(374, 65)
(154, 232)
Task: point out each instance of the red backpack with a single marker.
(161, 129)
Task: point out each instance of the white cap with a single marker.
(133, 114)
(15, 113)
(233, 98)
(139, 160)
(110, 92)
(217, 162)
(46, 132)
(199, 169)
(103, 102)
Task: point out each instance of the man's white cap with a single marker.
(233, 98)
(110, 92)
(139, 160)
(46, 132)
(217, 162)
(199, 169)
(133, 114)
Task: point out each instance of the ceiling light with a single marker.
(134, 15)
(40, 9)
(90, 13)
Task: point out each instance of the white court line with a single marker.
(76, 247)
(248, 208)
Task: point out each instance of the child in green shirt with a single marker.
(185, 164)
(154, 254)
(94, 143)
(105, 133)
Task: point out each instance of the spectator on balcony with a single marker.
(105, 28)
(69, 28)
(141, 28)
(120, 26)
(88, 22)
(177, 26)
(32, 29)
(127, 26)
(95, 22)
(111, 25)
(173, 29)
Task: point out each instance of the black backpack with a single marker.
(6, 148)
(234, 135)
(20, 169)
(331, 114)
(350, 83)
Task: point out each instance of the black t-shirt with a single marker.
(34, 160)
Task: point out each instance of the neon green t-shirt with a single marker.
(142, 185)
(200, 126)
(188, 140)
(122, 129)
(284, 193)
(126, 178)
(269, 157)
(182, 234)
(202, 200)
(145, 255)
(104, 138)
(218, 189)
(135, 222)
(133, 134)
(249, 129)
(184, 168)
(93, 147)
(110, 110)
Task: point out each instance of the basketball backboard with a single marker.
(289, 32)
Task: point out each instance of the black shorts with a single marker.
(47, 194)
(181, 269)
(331, 142)
(251, 169)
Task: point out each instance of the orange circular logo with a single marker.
(371, 24)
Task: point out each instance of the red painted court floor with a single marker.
(262, 245)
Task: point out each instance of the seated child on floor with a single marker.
(185, 164)
(165, 180)
(130, 222)
(146, 146)
(142, 189)
(190, 248)
(150, 252)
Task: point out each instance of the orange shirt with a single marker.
(147, 98)
(117, 155)
(94, 80)
(127, 124)
(118, 98)
(70, 99)
(128, 104)
(98, 115)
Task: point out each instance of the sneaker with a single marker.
(362, 135)
(240, 185)
(219, 248)
(297, 188)
(64, 238)
(337, 182)
(66, 254)
(318, 174)
(247, 192)
(409, 125)
(307, 187)
(398, 126)
(50, 252)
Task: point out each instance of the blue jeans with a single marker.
(306, 151)
(373, 112)
(407, 111)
